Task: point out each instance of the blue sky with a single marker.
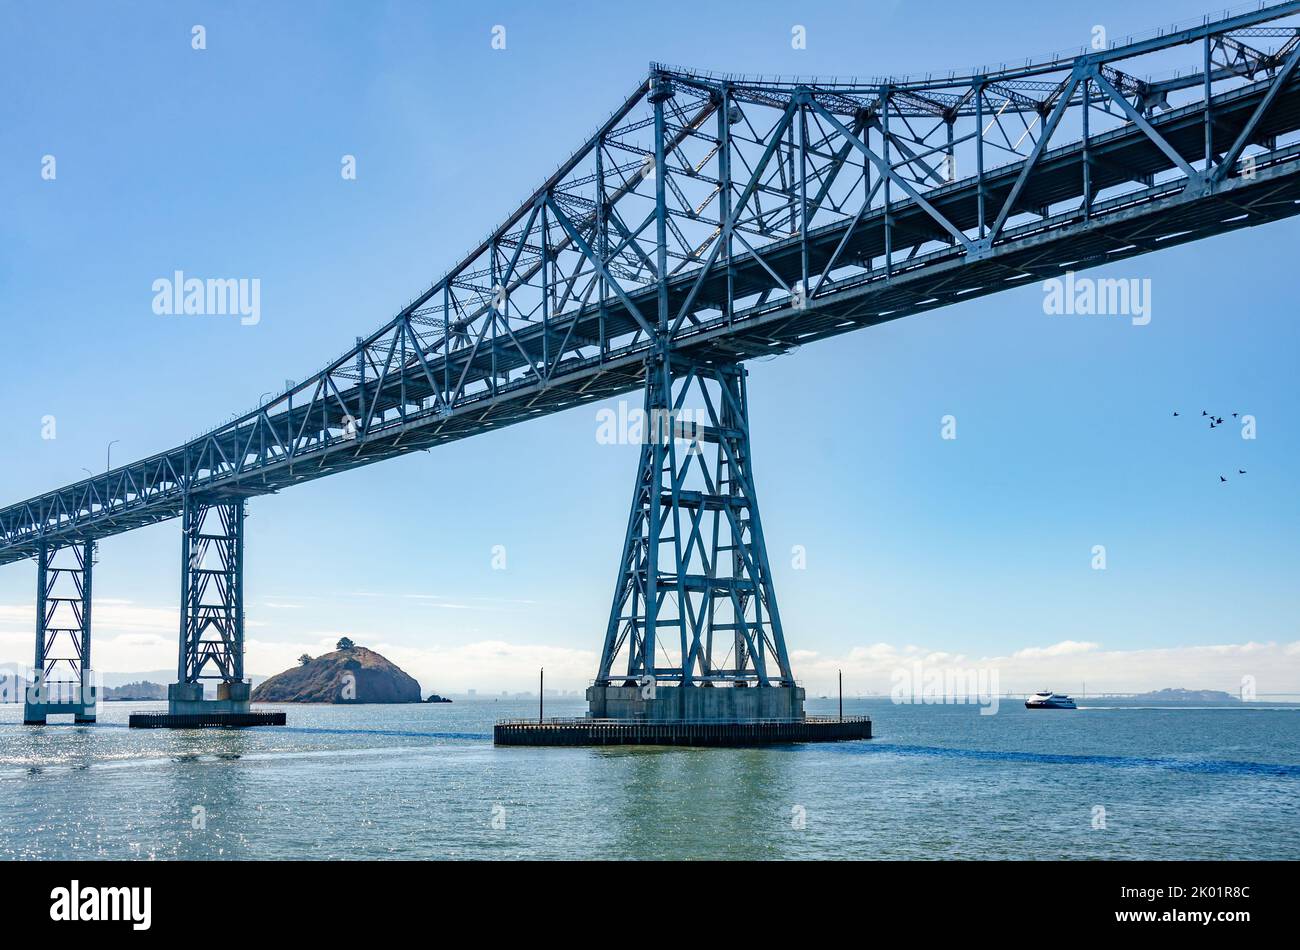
(225, 161)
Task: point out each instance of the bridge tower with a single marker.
(694, 630)
(212, 610)
(62, 681)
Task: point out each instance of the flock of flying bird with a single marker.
(1215, 422)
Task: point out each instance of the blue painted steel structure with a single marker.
(212, 592)
(694, 562)
(61, 673)
(714, 218)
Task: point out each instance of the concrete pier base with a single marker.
(205, 720)
(685, 716)
(60, 699)
(587, 732)
(35, 714)
(187, 699)
(696, 703)
(187, 709)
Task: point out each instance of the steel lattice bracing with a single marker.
(694, 601)
(61, 670)
(63, 578)
(212, 592)
(724, 218)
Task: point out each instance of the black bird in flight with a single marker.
(1175, 412)
(1219, 421)
(1204, 413)
(1234, 415)
(1222, 479)
(1241, 471)
(1211, 423)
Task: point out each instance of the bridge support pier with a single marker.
(212, 620)
(62, 680)
(694, 632)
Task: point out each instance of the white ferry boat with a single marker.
(1046, 699)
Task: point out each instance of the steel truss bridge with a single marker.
(712, 219)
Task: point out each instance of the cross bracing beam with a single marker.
(63, 614)
(759, 215)
(61, 678)
(212, 591)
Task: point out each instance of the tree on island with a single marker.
(304, 660)
(344, 644)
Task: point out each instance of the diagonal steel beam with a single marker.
(1282, 78)
(1141, 122)
(563, 220)
(884, 169)
(1048, 128)
(774, 140)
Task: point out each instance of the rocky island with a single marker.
(1187, 696)
(1170, 697)
(351, 674)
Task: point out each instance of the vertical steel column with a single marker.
(659, 400)
(291, 434)
(979, 153)
(884, 146)
(658, 392)
(867, 194)
(803, 200)
(87, 574)
(602, 245)
(446, 344)
(1207, 63)
(497, 314)
(404, 332)
(547, 291)
(724, 197)
(363, 423)
(238, 514)
(661, 92)
(42, 572)
(952, 154)
(1087, 151)
(187, 559)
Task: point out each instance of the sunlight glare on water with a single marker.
(425, 781)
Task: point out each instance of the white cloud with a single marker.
(1067, 665)
(131, 637)
(1064, 648)
(109, 615)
